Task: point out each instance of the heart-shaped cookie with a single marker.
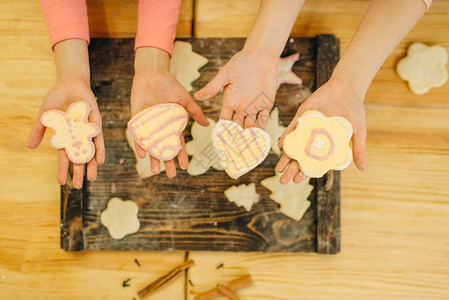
(158, 129)
(239, 150)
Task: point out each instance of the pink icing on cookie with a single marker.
(315, 132)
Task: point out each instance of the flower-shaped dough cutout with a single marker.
(185, 63)
(143, 165)
(319, 143)
(120, 218)
(72, 131)
(239, 150)
(158, 129)
(243, 195)
(292, 197)
(285, 73)
(274, 130)
(201, 150)
(424, 67)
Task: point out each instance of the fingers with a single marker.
(239, 118)
(283, 163)
(36, 134)
(359, 149)
(289, 129)
(299, 177)
(63, 166)
(155, 165)
(92, 169)
(195, 110)
(291, 171)
(170, 168)
(213, 87)
(140, 152)
(78, 175)
(226, 113)
(183, 159)
(262, 118)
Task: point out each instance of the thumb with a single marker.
(359, 149)
(36, 134)
(213, 87)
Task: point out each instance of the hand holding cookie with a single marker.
(159, 103)
(71, 111)
(334, 98)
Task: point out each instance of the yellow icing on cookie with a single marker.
(239, 150)
(320, 144)
(158, 129)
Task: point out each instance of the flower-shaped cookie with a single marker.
(158, 129)
(72, 131)
(423, 67)
(120, 218)
(239, 150)
(319, 143)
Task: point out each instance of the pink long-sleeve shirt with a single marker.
(156, 22)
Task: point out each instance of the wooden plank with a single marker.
(394, 217)
(328, 208)
(188, 212)
(118, 18)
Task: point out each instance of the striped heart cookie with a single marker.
(158, 129)
(239, 150)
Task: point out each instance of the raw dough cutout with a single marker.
(423, 67)
(285, 72)
(143, 165)
(201, 150)
(120, 218)
(158, 129)
(275, 130)
(243, 195)
(72, 131)
(239, 150)
(319, 143)
(292, 197)
(185, 63)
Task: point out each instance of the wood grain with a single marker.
(192, 213)
(395, 216)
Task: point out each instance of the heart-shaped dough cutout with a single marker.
(158, 129)
(239, 150)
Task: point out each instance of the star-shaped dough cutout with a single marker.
(423, 67)
(285, 73)
(202, 150)
(243, 195)
(275, 130)
(292, 197)
(143, 165)
(72, 131)
(185, 63)
(120, 218)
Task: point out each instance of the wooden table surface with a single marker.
(395, 217)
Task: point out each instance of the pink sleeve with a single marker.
(156, 24)
(65, 19)
(427, 3)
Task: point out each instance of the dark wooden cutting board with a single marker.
(192, 213)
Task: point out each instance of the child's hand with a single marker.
(156, 87)
(64, 93)
(334, 98)
(249, 82)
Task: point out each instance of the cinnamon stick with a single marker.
(236, 284)
(176, 272)
(225, 291)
